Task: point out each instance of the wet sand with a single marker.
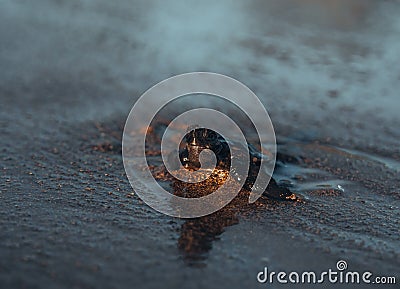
(70, 74)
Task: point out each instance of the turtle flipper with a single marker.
(274, 191)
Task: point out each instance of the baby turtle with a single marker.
(199, 139)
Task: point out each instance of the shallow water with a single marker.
(70, 71)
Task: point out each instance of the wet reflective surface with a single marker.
(327, 73)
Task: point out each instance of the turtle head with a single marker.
(197, 139)
(201, 137)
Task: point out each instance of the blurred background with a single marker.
(314, 61)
